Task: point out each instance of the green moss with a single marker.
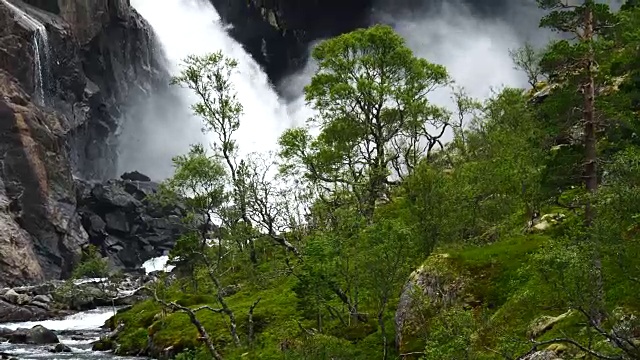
(134, 343)
(104, 344)
(506, 291)
(275, 319)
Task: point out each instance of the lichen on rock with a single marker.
(432, 287)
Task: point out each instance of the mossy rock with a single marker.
(462, 282)
(435, 285)
(104, 344)
(545, 323)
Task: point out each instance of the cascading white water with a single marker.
(193, 27)
(77, 331)
(88, 320)
(40, 50)
(157, 264)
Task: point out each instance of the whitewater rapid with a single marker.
(77, 331)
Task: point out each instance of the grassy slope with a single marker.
(504, 293)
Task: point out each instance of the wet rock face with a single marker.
(125, 224)
(99, 57)
(278, 33)
(42, 234)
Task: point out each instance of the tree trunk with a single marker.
(591, 158)
(591, 166)
(383, 332)
(204, 335)
(251, 324)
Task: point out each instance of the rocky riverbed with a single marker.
(55, 299)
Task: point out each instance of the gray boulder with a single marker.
(45, 299)
(15, 313)
(59, 348)
(13, 297)
(37, 335)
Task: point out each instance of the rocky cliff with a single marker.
(68, 69)
(41, 233)
(98, 55)
(277, 33)
(125, 223)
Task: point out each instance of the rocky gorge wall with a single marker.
(94, 58)
(100, 56)
(277, 33)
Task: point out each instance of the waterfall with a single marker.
(193, 27)
(40, 43)
(157, 264)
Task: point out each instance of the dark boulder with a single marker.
(135, 176)
(126, 224)
(59, 348)
(37, 335)
(4, 332)
(104, 344)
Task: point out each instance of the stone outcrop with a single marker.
(125, 224)
(432, 287)
(100, 56)
(57, 298)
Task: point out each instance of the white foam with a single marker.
(193, 27)
(87, 320)
(157, 264)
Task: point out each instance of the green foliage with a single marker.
(209, 77)
(371, 95)
(450, 336)
(375, 193)
(92, 264)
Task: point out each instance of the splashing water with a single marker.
(193, 27)
(40, 45)
(88, 320)
(157, 264)
(77, 331)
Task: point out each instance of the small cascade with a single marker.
(41, 51)
(158, 264)
(77, 331)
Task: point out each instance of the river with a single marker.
(77, 331)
